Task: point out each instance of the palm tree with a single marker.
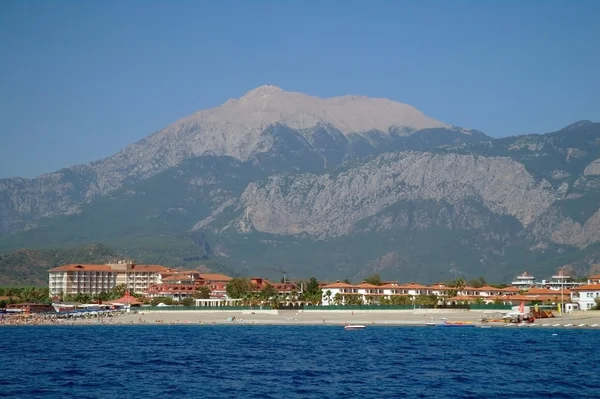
(338, 299)
(384, 300)
(328, 296)
(460, 284)
(401, 300)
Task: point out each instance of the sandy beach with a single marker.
(292, 317)
(379, 318)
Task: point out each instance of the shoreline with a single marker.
(579, 320)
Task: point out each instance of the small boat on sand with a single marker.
(354, 327)
(430, 323)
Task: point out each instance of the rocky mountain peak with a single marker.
(262, 91)
(269, 104)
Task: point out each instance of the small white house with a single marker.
(585, 295)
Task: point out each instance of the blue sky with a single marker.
(80, 80)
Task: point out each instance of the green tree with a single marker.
(165, 300)
(187, 301)
(312, 287)
(268, 292)
(104, 296)
(457, 286)
(251, 298)
(375, 279)
(202, 292)
(83, 298)
(401, 300)
(338, 299)
(238, 288)
(428, 300)
(313, 293)
(353, 299)
(274, 301)
(117, 291)
(477, 282)
(385, 301)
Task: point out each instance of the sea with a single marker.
(246, 361)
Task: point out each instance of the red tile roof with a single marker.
(83, 267)
(339, 285)
(107, 268)
(413, 286)
(214, 277)
(177, 277)
(149, 268)
(546, 291)
(131, 300)
(587, 287)
(439, 287)
(368, 286)
(489, 288)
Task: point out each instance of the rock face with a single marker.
(330, 205)
(345, 186)
(593, 169)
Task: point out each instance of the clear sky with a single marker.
(79, 80)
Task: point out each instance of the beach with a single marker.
(416, 317)
(379, 318)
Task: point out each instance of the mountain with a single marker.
(339, 187)
(260, 124)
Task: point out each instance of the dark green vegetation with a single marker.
(27, 267)
(23, 294)
(152, 220)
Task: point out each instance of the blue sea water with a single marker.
(296, 362)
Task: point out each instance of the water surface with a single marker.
(157, 361)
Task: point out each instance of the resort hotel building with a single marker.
(95, 279)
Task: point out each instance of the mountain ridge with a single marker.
(214, 131)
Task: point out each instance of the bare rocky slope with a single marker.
(338, 187)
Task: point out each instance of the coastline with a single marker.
(587, 320)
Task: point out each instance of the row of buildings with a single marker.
(155, 281)
(151, 281)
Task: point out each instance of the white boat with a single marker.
(354, 327)
(430, 323)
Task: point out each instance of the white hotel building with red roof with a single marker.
(586, 295)
(95, 279)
